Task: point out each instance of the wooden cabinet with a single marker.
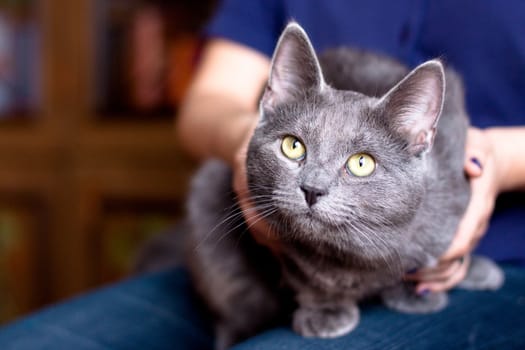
(80, 190)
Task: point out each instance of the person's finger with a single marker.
(249, 211)
(439, 273)
(258, 227)
(473, 166)
(444, 285)
(461, 243)
(471, 225)
(475, 153)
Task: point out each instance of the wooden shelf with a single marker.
(73, 162)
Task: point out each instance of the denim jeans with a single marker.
(160, 311)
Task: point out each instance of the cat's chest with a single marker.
(324, 276)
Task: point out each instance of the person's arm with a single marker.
(499, 153)
(509, 153)
(495, 162)
(220, 113)
(221, 105)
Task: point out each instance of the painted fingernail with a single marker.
(423, 292)
(411, 271)
(476, 162)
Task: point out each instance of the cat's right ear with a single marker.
(295, 70)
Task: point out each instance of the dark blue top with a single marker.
(483, 40)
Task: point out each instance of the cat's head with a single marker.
(338, 167)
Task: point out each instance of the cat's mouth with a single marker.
(311, 218)
(291, 212)
(319, 216)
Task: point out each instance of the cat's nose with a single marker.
(312, 194)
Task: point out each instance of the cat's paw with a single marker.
(483, 274)
(326, 322)
(406, 301)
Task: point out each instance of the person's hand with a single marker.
(480, 167)
(257, 226)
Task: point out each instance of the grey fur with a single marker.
(363, 234)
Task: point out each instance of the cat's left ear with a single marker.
(414, 105)
(295, 69)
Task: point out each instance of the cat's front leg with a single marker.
(242, 301)
(403, 298)
(483, 274)
(325, 318)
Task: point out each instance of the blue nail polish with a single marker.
(476, 162)
(411, 271)
(424, 292)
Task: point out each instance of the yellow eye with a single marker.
(361, 164)
(293, 148)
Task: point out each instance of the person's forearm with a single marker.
(221, 105)
(509, 152)
(212, 126)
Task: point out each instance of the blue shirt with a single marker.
(483, 40)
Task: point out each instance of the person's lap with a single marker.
(157, 311)
(160, 311)
(472, 320)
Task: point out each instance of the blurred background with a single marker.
(89, 166)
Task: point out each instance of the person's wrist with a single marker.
(244, 132)
(502, 159)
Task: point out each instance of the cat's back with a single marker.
(374, 74)
(369, 73)
(210, 189)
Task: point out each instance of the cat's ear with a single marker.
(414, 105)
(294, 71)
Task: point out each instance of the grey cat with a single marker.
(357, 163)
